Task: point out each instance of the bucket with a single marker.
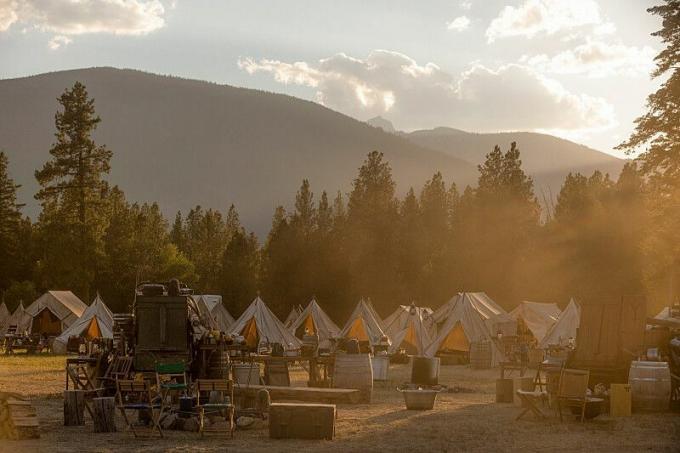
(419, 399)
(246, 373)
(619, 400)
(354, 371)
(425, 371)
(650, 384)
(381, 366)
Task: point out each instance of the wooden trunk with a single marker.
(354, 371)
(74, 408)
(301, 421)
(104, 415)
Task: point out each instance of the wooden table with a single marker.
(315, 376)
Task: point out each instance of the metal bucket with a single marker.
(381, 366)
(425, 371)
(419, 399)
(247, 373)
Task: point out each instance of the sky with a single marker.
(578, 69)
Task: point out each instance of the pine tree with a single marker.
(240, 270)
(10, 226)
(73, 195)
(177, 233)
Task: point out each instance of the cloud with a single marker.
(511, 97)
(458, 24)
(597, 59)
(58, 41)
(77, 17)
(465, 5)
(535, 17)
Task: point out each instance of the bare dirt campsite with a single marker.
(466, 421)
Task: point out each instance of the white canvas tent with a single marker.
(538, 317)
(409, 327)
(363, 325)
(465, 324)
(4, 317)
(564, 328)
(315, 321)
(55, 311)
(211, 306)
(21, 319)
(293, 316)
(258, 324)
(96, 322)
(495, 318)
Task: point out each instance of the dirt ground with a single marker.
(466, 421)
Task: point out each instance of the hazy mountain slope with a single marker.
(184, 142)
(547, 158)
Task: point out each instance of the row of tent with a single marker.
(465, 319)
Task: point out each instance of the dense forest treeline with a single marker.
(601, 238)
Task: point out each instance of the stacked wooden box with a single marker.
(18, 419)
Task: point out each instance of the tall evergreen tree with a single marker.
(10, 226)
(73, 193)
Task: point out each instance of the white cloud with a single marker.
(58, 41)
(511, 97)
(597, 59)
(465, 5)
(76, 17)
(543, 16)
(459, 23)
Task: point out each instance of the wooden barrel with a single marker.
(650, 384)
(218, 364)
(480, 355)
(354, 371)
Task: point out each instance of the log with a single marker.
(74, 407)
(104, 415)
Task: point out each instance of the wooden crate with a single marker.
(301, 421)
(18, 420)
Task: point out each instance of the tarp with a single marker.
(258, 324)
(65, 306)
(211, 306)
(292, 316)
(564, 328)
(4, 317)
(316, 321)
(493, 315)
(538, 317)
(464, 324)
(21, 319)
(96, 322)
(409, 327)
(363, 325)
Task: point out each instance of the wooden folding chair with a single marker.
(572, 390)
(137, 396)
(119, 368)
(532, 402)
(171, 377)
(215, 396)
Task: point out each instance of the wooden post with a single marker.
(104, 415)
(74, 408)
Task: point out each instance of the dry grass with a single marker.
(465, 421)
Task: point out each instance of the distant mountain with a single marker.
(546, 158)
(186, 142)
(382, 123)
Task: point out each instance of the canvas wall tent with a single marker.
(493, 315)
(375, 314)
(464, 325)
(410, 327)
(211, 306)
(293, 316)
(96, 322)
(258, 324)
(564, 328)
(4, 317)
(537, 317)
(21, 319)
(55, 311)
(316, 321)
(363, 325)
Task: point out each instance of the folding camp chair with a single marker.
(532, 402)
(572, 391)
(137, 396)
(119, 368)
(171, 377)
(215, 396)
